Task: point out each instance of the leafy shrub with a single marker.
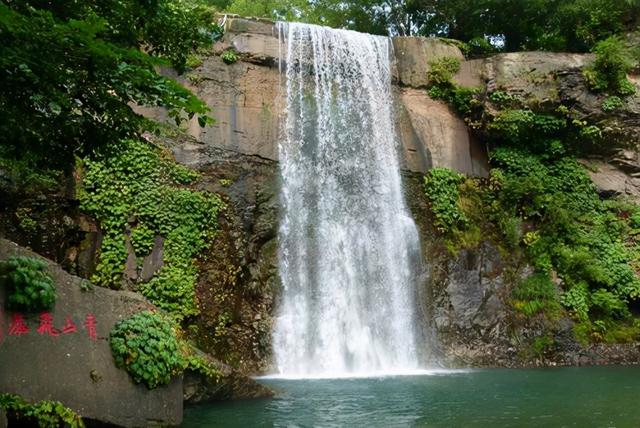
(441, 87)
(611, 103)
(441, 188)
(46, 413)
(609, 303)
(577, 299)
(229, 56)
(609, 71)
(522, 126)
(537, 294)
(578, 236)
(29, 287)
(502, 98)
(442, 70)
(145, 345)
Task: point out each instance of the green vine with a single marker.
(137, 192)
(46, 413)
(29, 287)
(441, 188)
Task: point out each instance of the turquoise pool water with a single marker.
(559, 397)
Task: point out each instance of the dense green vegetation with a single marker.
(614, 60)
(44, 414)
(441, 187)
(548, 209)
(149, 347)
(560, 25)
(29, 287)
(137, 192)
(540, 201)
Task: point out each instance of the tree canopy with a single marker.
(70, 70)
(565, 25)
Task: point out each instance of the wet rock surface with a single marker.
(229, 384)
(238, 281)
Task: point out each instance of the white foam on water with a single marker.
(370, 375)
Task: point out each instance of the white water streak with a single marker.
(347, 242)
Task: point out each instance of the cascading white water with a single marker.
(347, 242)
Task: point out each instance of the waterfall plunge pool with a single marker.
(554, 397)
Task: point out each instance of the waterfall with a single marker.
(348, 247)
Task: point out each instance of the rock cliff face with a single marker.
(239, 283)
(69, 365)
(239, 278)
(245, 98)
(548, 80)
(467, 296)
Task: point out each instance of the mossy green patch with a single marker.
(137, 191)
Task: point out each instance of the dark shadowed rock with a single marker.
(153, 261)
(229, 384)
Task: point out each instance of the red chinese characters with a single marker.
(46, 325)
(90, 325)
(69, 326)
(18, 327)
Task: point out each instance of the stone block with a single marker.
(74, 368)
